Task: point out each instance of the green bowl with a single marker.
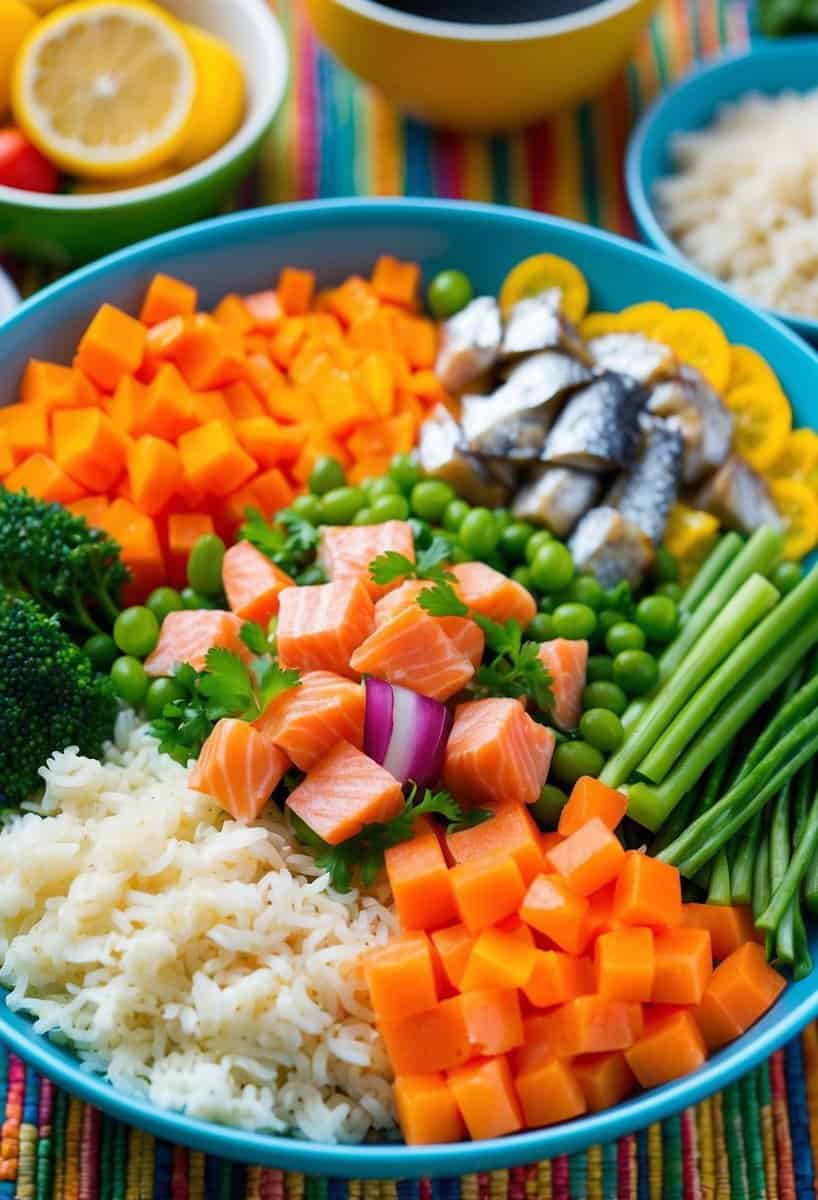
(66, 229)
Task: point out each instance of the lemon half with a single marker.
(105, 88)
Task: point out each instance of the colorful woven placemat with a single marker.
(757, 1140)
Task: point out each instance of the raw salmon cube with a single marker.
(411, 650)
(343, 792)
(308, 720)
(319, 627)
(252, 583)
(239, 768)
(493, 594)
(496, 754)
(466, 636)
(566, 662)
(346, 551)
(187, 635)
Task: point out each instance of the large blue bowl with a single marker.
(769, 67)
(245, 253)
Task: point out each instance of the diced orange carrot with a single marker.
(353, 298)
(252, 583)
(383, 439)
(427, 1111)
(493, 1021)
(6, 454)
(367, 468)
(210, 406)
(320, 626)
(293, 406)
(263, 375)
(92, 509)
(600, 917)
(648, 892)
(741, 989)
(484, 1093)
(232, 313)
(319, 445)
(287, 341)
(344, 792)
(271, 490)
(550, 907)
(341, 404)
(417, 339)
(141, 549)
(419, 881)
(589, 858)
(429, 1041)
(40, 476)
(26, 426)
(428, 388)
(590, 798)
(683, 966)
(496, 753)
(168, 407)
(127, 405)
(395, 281)
(242, 401)
(295, 290)
(208, 355)
(53, 386)
(261, 438)
(153, 473)
(729, 925)
(239, 768)
(605, 1079)
(265, 309)
(112, 346)
(89, 447)
(498, 960)
(167, 297)
(376, 377)
(517, 928)
(213, 460)
(453, 945)
(184, 530)
(556, 978)
(548, 1090)
(670, 1048)
(400, 977)
(373, 331)
(486, 891)
(624, 962)
(511, 831)
(590, 1025)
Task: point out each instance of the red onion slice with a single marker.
(378, 718)
(406, 732)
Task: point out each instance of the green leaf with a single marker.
(389, 567)
(272, 680)
(289, 542)
(441, 600)
(470, 818)
(227, 685)
(429, 561)
(254, 638)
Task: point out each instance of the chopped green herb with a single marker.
(254, 638)
(289, 542)
(391, 566)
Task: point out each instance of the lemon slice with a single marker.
(105, 88)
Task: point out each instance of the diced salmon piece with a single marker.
(187, 635)
(319, 627)
(410, 649)
(493, 594)
(566, 662)
(343, 792)
(308, 720)
(496, 754)
(252, 583)
(345, 551)
(466, 636)
(238, 767)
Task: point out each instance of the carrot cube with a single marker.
(242, 401)
(683, 966)
(319, 626)
(167, 409)
(548, 1091)
(624, 962)
(343, 792)
(40, 476)
(729, 925)
(212, 459)
(6, 454)
(295, 290)
(395, 281)
(272, 491)
(420, 884)
(127, 405)
(400, 977)
(550, 907)
(516, 928)
(493, 1020)
(265, 309)
(261, 438)
(427, 1111)
(648, 892)
(496, 753)
(556, 978)
(511, 831)
(741, 989)
(184, 531)
(353, 298)
(167, 297)
(207, 354)
(484, 1093)
(26, 426)
(589, 858)
(486, 891)
(153, 473)
(417, 339)
(600, 914)
(53, 386)
(377, 379)
(434, 1040)
(210, 406)
(605, 1079)
(232, 313)
(590, 798)
(92, 509)
(591, 1025)
(89, 447)
(113, 345)
(670, 1048)
(453, 945)
(141, 550)
(498, 959)
(341, 405)
(252, 583)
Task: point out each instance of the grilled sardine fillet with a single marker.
(556, 497)
(611, 547)
(537, 323)
(469, 343)
(632, 354)
(645, 493)
(705, 424)
(738, 496)
(440, 454)
(597, 429)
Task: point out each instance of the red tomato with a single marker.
(23, 166)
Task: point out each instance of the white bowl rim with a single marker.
(269, 30)
(463, 31)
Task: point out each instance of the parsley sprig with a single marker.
(364, 853)
(391, 566)
(289, 542)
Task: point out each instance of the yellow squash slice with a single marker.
(538, 274)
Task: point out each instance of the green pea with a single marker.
(514, 539)
(665, 567)
(585, 590)
(624, 636)
(204, 567)
(129, 680)
(385, 485)
(620, 598)
(479, 534)
(572, 760)
(326, 475)
(389, 508)
(574, 621)
(538, 539)
(503, 518)
(786, 576)
(553, 567)
(341, 504)
(160, 692)
(163, 600)
(605, 620)
(102, 651)
(673, 591)
(547, 808)
(522, 575)
(448, 293)
(602, 729)
(429, 499)
(600, 666)
(308, 508)
(604, 693)
(454, 514)
(136, 631)
(421, 532)
(405, 472)
(636, 672)
(364, 517)
(191, 599)
(658, 618)
(459, 555)
(541, 627)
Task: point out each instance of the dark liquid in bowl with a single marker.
(489, 12)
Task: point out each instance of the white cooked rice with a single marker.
(744, 202)
(202, 964)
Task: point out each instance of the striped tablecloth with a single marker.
(758, 1140)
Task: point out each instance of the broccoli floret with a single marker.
(49, 554)
(51, 697)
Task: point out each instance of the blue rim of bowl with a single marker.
(394, 1159)
(641, 203)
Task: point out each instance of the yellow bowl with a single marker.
(484, 78)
